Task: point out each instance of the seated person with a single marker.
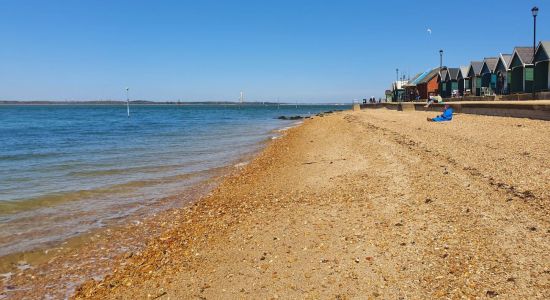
(432, 100)
(447, 115)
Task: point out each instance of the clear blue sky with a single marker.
(309, 51)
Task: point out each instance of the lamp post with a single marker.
(535, 12)
(440, 67)
(397, 74)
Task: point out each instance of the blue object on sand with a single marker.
(446, 116)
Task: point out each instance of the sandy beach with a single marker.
(369, 204)
(364, 204)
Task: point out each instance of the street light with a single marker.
(397, 74)
(440, 67)
(535, 12)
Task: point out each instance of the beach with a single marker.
(367, 204)
(83, 184)
(364, 204)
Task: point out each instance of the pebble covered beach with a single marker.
(366, 204)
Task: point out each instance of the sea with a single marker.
(68, 169)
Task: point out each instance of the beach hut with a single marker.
(488, 76)
(449, 82)
(443, 82)
(389, 95)
(501, 71)
(542, 70)
(463, 81)
(474, 76)
(429, 84)
(452, 82)
(398, 90)
(410, 87)
(521, 70)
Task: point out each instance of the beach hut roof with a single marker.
(489, 65)
(463, 72)
(413, 80)
(429, 76)
(506, 59)
(503, 63)
(475, 68)
(444, 74)
(453, 73)
(418, 78)
(522, 56)
(543, 52)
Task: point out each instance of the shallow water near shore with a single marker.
(69, 169)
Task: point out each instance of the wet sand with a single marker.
(55, 270)
(365, 204)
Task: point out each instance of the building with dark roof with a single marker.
(474, 76)
(442, 86)
(542, 69)
(488, 76)
(449, 82)
(521, 70)
(429, 84)
(411, 91)
(463, 81)
(501, 71)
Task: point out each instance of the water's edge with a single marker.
(127, 236)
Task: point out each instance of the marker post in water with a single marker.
(127, 102)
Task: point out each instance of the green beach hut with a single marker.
(451, 82)
(488, 76)
(501, 71)
(474, 75)
(542, 70)
(521, 70)
(442, 83)
(463, 81)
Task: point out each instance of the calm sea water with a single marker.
(66, 169)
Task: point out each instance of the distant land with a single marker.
(146, 102)
(116, 102)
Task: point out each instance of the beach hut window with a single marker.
(528, 74)
(509, 78)
(478, 82)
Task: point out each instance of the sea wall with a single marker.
(525, 109)
(512, 97)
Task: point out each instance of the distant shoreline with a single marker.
(144, 102)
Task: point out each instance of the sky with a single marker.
(305, 51)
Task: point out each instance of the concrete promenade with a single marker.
(533, 109)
